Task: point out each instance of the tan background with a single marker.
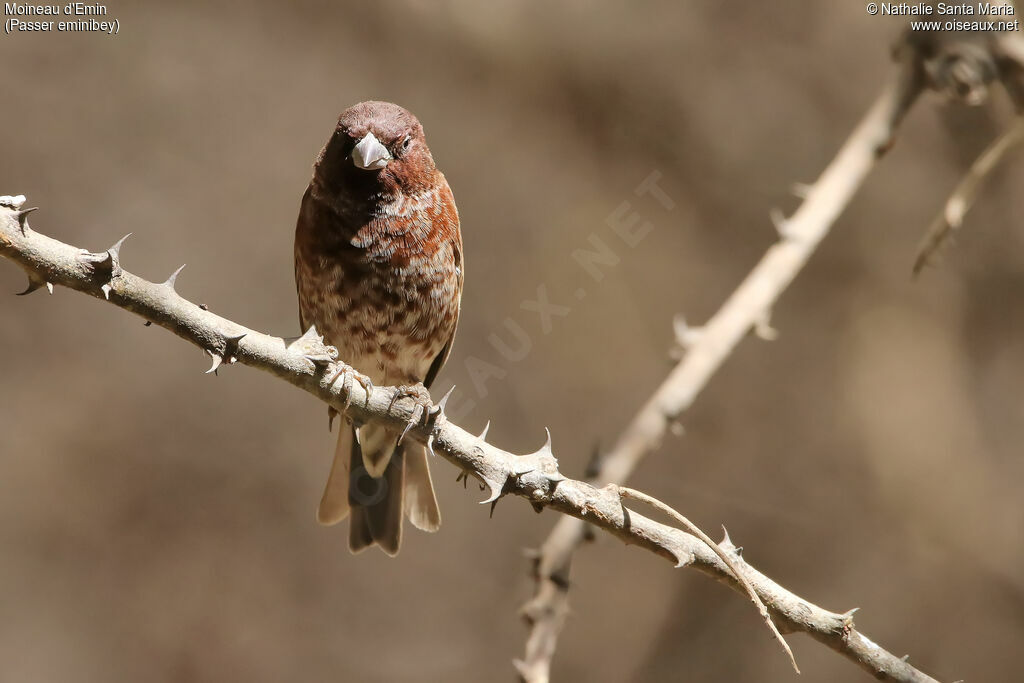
(157, 524)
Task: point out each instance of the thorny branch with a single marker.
(962, 68)
(310, 365)
(705, 351)
(692, 528)
(313, 367)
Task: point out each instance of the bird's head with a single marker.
(377, 148)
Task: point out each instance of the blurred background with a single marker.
(158, 524)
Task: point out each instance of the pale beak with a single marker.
(369, 154)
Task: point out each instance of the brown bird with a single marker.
(378, 268)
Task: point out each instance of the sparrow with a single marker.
(378, 269)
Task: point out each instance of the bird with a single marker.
(379, 273)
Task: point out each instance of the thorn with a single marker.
(683, 561)
(496, 489)
(905, 658)
(23, 217)
(115, 250)
(726, 541)
(149, 323)
(331, 414)
(309, 337)
(494, 504)
(483, 434)
(430, 444)
(438, 408)
(800, 190)
(217, 360)
(781, 223)
(107, 265)
(204, 307)
(763, 327)
(174, 276)
(849, 614)
(34, 283)
(231, 347)
(546, 448)
(555, 477)
(686, 336)
(359, 437)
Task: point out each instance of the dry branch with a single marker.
(966, 68)
(312, 367)
(960, 202)
(706, 349)
(963, 66)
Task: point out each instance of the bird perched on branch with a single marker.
(378, 268)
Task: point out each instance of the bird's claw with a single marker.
(346, 373)
(421, 408)
(417, 392)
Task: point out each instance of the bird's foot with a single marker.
(346, 373)
(421, 405)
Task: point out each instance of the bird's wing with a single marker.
(442, 357)
(298, 229)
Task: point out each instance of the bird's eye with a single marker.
(406, 142)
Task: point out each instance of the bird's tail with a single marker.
(375, 489)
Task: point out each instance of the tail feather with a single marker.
(334, 505)
(376, 503)
(385, 515)
(377, 444)
(420, 502)
(360, 536)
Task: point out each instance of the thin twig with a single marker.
(692, 528)
(963, 197)
(705, 351)
(310, 366)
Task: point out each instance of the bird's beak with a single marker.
(369, 154)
